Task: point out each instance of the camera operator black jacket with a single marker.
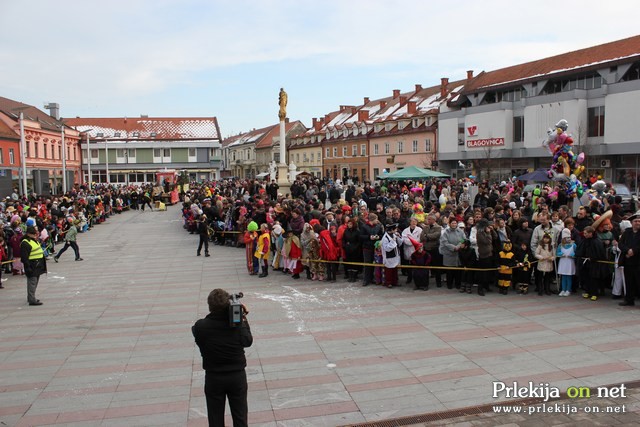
(222, 346)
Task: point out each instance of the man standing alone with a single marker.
(629, 246)
(32, 256)
(222, 349)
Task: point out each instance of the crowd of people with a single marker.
(32, 227)
(425, 232)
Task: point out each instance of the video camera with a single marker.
(236, 310)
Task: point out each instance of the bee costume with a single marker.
(505, 271)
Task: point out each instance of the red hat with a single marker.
(346, 208)
(314, 222)
(416, 245)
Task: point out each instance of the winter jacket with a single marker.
(449, 243)
(222, 346)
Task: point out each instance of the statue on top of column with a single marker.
(282, 102)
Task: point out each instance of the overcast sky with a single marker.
(198, 58)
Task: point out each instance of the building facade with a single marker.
(133, 150)
(495, 127)
(44, 136)
(248, 155)
(388, 134)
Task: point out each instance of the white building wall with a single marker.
(448, 136)
(541, 117)
(493, 124)
(621, 118)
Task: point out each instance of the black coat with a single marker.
(590, 251)
(366, 231)
(222, 346)
(352, 244)
(629, 240)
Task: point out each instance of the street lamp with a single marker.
(88, 157)
(23, 156)
(106, 154)
(64, 163)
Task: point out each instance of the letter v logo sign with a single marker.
(471, 130)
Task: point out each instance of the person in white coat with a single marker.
(411, 232)
(391, 242)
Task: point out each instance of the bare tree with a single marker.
(487, 153)
(581, 145)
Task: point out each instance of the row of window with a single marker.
(415, 148)
(388, 126)
(49, 151)
(352, 173)
(306, 158)
(595, 125)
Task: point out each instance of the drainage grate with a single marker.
(463, 412)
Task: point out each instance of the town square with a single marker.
(303, 214)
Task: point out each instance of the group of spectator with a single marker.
(425, 231)
(47, 221)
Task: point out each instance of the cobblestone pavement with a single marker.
(112, 344)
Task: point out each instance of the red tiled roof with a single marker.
(163, 127)
(6, 132)
(13, 109)
(589, 58)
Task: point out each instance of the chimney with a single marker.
(54, 109)
(443, 86)
(383, 104)
(286, 120)
(363, 115)
(396, 93)
(418, 88)
(469, 74)
(411, 107)
(353, 110)
(342, 107)
(403, 100)
(326, 119)
(366, 100)
(317, 124)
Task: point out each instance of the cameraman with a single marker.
(222, 349)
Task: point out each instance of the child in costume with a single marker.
(522, 274)
(316, 268)
(566, 264)
(421, 258)
(468, 259)
(506, 262)
(545, 256)
(377, 259)
(278, 243)
(262, 249)
(250, 242)
(293, 252)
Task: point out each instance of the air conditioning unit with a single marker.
(605, 163)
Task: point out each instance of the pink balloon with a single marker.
(580, 159)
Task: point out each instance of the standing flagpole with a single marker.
(64, 164)
(23, 156)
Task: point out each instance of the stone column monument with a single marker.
(283, 175)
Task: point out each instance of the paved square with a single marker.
(112, 344)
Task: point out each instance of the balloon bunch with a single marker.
(565, 164)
